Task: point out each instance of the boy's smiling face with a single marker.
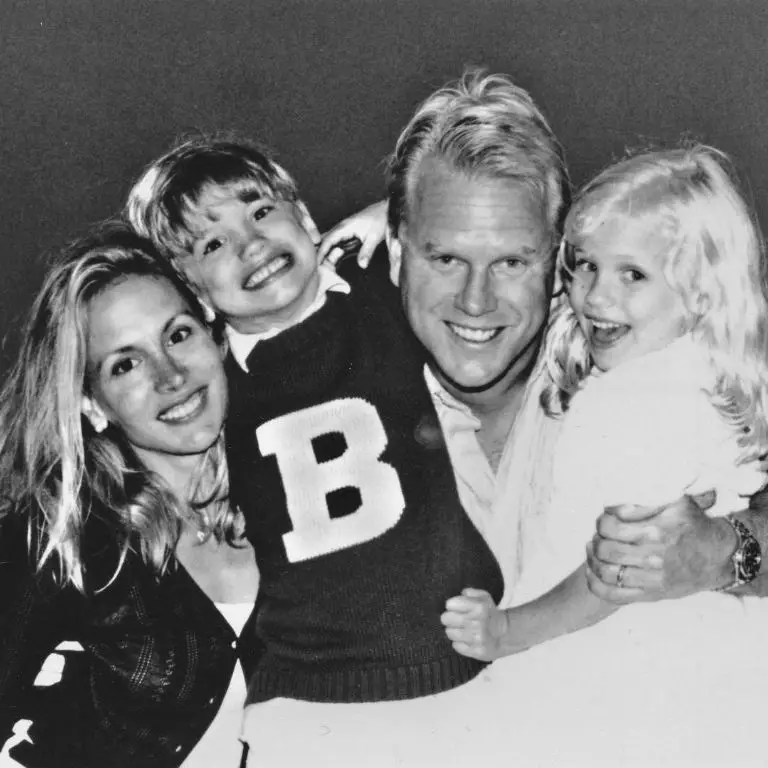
(252, 257)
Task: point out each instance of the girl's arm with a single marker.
(480, 630)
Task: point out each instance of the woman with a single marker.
(114, 526)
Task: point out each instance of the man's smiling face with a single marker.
(474, 263)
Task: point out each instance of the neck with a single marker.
(177, 471)
(501, 396)
(496, 407)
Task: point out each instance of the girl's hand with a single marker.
(475, 625)
(368, 227)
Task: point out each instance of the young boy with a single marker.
(349, 503)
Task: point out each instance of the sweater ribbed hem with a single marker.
(358, 686)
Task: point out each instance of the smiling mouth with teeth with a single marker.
(265, 273)
(606, 333)
(186, 410)
(474, 335)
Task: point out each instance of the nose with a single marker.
(170, 374)
(600, 293)
(252, 240)
(477, 296)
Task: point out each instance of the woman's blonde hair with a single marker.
(715, 261)
(55, 469)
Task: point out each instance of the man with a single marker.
(475, 196)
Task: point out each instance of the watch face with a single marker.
(750, 560)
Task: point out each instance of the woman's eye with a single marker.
(211, 246)
(180, 334)
(121, 367)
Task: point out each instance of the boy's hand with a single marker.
(366, 227)
(475, 625)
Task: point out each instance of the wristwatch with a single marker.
(747, 557)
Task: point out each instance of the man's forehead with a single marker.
(447, 204)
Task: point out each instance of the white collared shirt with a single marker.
(241, 344)
(504, 506)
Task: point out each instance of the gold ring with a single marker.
(620, 575)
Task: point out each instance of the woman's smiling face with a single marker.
(153, 369)
(620, 294)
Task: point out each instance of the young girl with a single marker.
(658, 367)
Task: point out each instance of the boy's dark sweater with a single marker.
(350, 600)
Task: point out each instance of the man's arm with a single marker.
(671, 552)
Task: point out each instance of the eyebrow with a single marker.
(130, 347)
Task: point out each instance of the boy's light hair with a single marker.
(56, 470)
(162, 201)
(483, 126)
(715, 261)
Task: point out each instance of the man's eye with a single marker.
(513, 264)
(211, 246)
(121, 367)
(262, 211)
(443, 259)
(182, 333)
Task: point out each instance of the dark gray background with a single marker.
(91, 90)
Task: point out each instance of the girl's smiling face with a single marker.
(619, 293)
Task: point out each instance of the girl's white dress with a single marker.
(673, 683)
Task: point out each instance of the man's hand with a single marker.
(644, 554)
(475, 625)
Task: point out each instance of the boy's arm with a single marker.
(366, 227)
(479, 629)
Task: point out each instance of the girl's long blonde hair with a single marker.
(715, 261)
(55, 470)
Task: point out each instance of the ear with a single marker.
(93, 412)
(395, 248)
(306, 221)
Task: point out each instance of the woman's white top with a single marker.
(220, 746)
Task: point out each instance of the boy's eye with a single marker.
(261, 212)
(121, 367)
(182, 333)
(212, 245)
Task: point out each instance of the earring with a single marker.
(99, 422)
(208, 312)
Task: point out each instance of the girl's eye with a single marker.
(211, 246)
(582, 265)
(180, 334)
(634, 275)
(121, 367)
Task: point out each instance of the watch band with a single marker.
(747, 556)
